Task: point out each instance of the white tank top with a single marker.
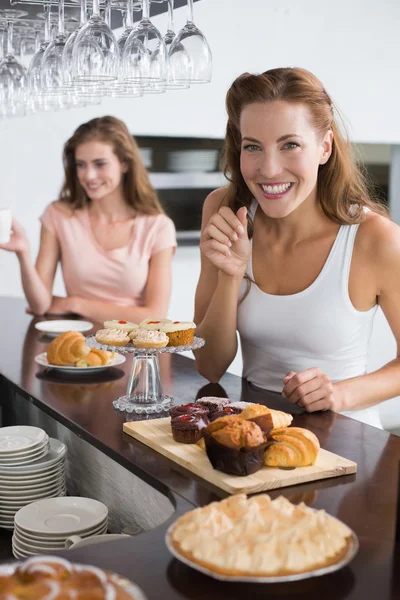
(317, 327)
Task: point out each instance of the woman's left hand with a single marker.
(64, 306)
(312, 390)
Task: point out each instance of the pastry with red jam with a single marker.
(188, 429)
(122, 325)
(189, 409)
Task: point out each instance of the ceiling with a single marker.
(156, 8)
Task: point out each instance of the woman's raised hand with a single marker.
(18, 242)
(225, 242)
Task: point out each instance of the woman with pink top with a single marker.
(108, 231)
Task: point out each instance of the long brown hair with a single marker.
(343, 189)
(138, 191)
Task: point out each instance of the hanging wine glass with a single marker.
(52, 72)
(13, 75)
(95, 55)
(145, 55)
(190, 43)
(169, 38)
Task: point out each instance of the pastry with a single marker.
(225, 412)
(187, 429)
(234, 445)
(95, 358)
(122, 325)
(292, 447)
(180, 333)
(257, 413)
(48, 577)
(239, 406)
(144, 338)
(112, 337)
(67, 348)
(189, 409)
(280, 418)
(259, 537)
(153, 324)
(212, 403)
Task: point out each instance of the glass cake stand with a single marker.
(144, 393)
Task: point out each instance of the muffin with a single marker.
(112, 337)
(187, 429)
(180, 333)
(189, 409)
(213, 404)
(144, 338)
(259, 414)
(234, 445)
(122, 325)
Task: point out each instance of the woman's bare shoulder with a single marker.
(379, 239)
(214, 201)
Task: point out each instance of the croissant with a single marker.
(95, 358)
(67, 348)
(280, 418)
(293, 447)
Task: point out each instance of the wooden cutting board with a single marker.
(157, 434)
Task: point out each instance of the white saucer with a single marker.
(61, 515)
(56, 327)
(20, 437)
(57, 451)
(41, 359)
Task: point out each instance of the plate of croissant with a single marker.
(69, 352)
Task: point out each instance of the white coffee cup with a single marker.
(75, 541)
(5, 225)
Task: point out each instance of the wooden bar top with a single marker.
(366, 501)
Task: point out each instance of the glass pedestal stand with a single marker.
(144, 392)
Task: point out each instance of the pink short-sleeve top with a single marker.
(118, 276)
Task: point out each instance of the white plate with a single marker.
(41, 359)
(38, 486)
(55, 541)
(23, 453)
(61, 515)
(61, 326)
(28, 482)
(25, 460)
(350, 554)
(55, 454)
(18, 437)
(21, 500)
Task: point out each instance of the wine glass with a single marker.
(144, 59)
(13, 75)
(52, 72)
(190, 43)
(95, 55)
(169, 37)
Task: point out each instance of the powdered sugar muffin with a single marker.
(153, 324)
(112, 337)
(180, 333)
(122, 325)
(145, 338)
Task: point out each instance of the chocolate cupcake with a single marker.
(189, 409)
(187, 429)
(212, 403)
(225, 412)
(235, 446)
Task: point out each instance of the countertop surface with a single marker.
(366, 502)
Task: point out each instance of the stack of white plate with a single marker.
(192, 160)
(21, 445)
(22, 483)
(43, 527)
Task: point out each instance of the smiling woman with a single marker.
(108, 230)
(296, 253)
